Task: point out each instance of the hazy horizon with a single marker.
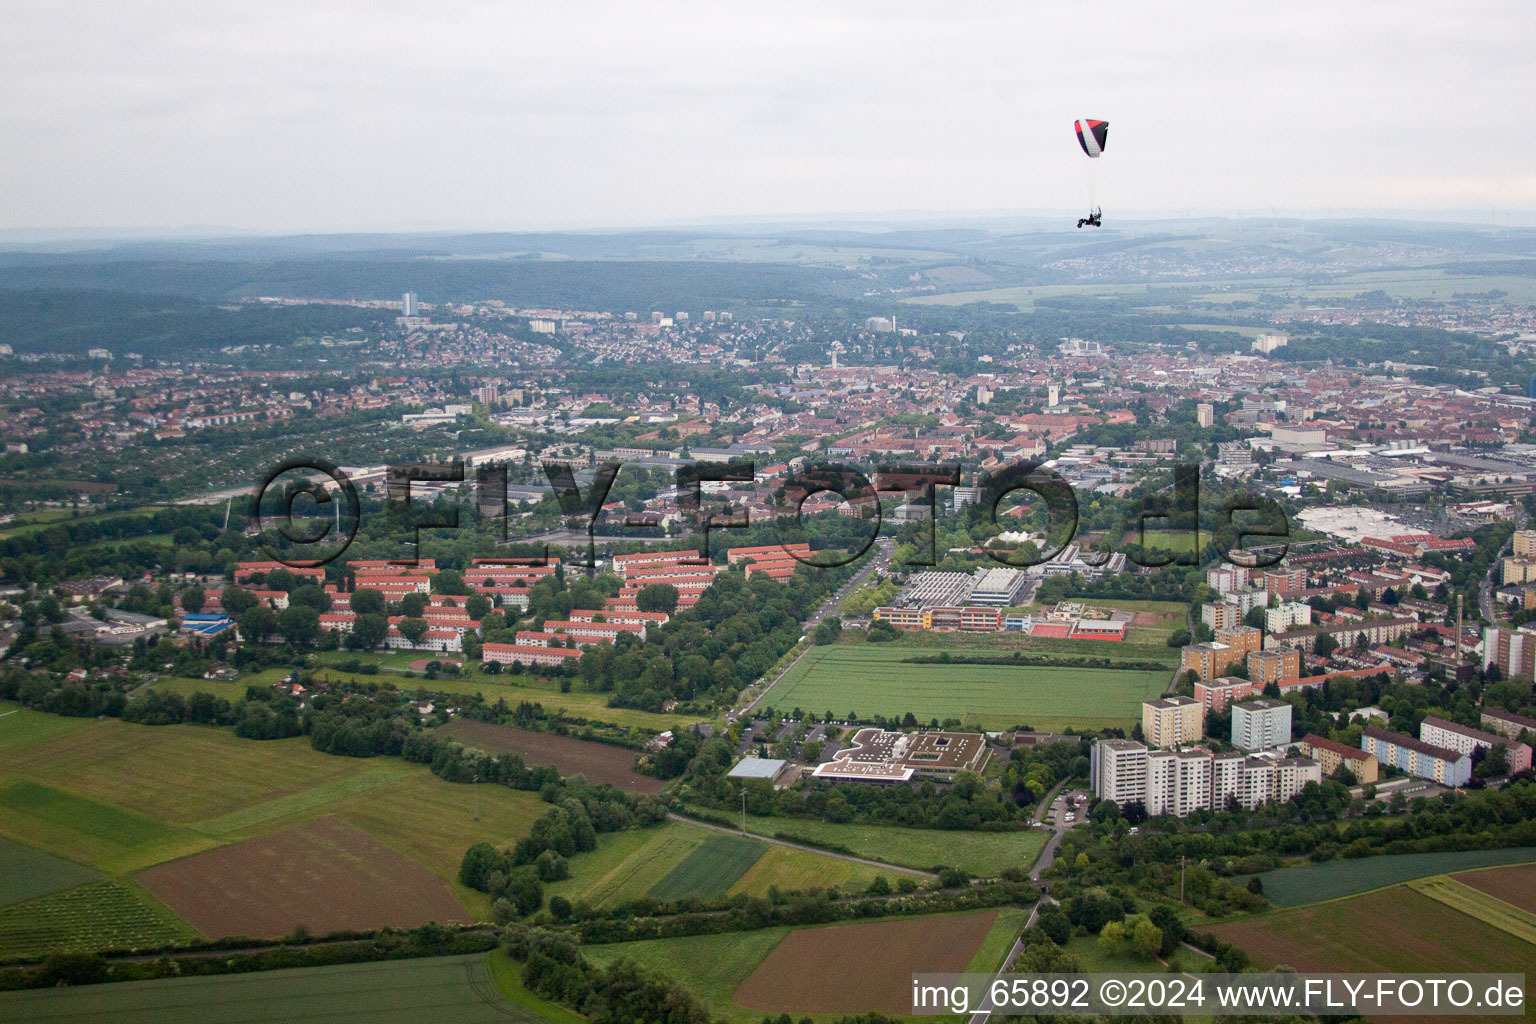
(344, 117)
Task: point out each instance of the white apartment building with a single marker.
(1180, 782)
(1117, 771)
(1290, 615)
(1260, 724)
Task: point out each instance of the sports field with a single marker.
(459, 989)
(874, 679)
(1308, 883)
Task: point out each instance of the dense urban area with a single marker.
(724, 626)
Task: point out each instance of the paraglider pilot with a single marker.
(1094, 219)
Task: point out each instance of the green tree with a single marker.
(657, 597)
(413, 629)
(369, 630)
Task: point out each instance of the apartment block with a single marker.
(1260, 724)
(1180, 782)
(1224, 615)
(1507, 723)
(1465, 740)
(1289, 615)
(1276, 666)
(1172, 721)
(1215, 694)
(1242, 640)
(1415, 757)
(1333, 755)
(1206, 660)
(1512, 650)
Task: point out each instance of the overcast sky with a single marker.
(324, 116)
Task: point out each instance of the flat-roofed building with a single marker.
(1215, 694)
(1276, 666)
(1260, 724)
(1206, 660)
(1242, 640)
(1288, 615)
(1117, 771)
(1172, 721)
(1222, 615)
(766, 768)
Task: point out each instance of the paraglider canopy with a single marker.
(1092, 136)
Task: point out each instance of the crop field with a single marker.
(26, 873)
(628, 865)
(712, 967)
(1308, 883)
(176, 773)
(1388, 930)
(796, 869)
(98, 834)
(860, 968)
(874, 679)
(1476, 903)
(710, 869)
(1514, 885)
(325, 875)
(19, 727)
(459, 989)
(105, 914)
(981, 853)
(599, 762)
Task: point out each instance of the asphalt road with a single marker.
(1057, 811)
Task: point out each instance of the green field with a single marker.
(634, 864)
(19, 727)
(1309, 883)
(786, 869)
(981, 853)
(107, 914)
(26, 873)
(710, 869)
(627, 865)
(101, 835)
(873, 679)
(461, 990)
(712, 967)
